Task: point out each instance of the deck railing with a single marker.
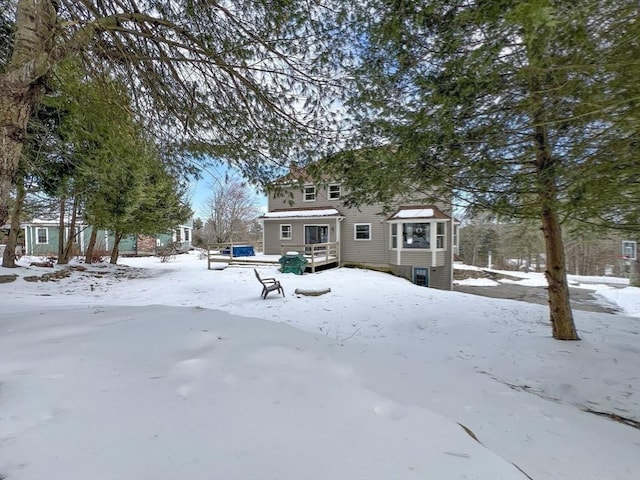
(317, 254)
(216, 249)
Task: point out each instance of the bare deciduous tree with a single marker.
(231, 209)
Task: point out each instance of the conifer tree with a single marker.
(248, 81)
(529, 108)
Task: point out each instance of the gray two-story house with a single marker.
(416, 240)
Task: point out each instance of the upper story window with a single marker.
(285, 232)
(42, 235)
(630, 249)
(309, 193)
(334, 191)
(416, 235)
(362, 231)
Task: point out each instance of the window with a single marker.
(178, 235)
(285, 232)
(455, 235)
(394, 235)
(362, 231)
(416, 235)
(309, 193)
(42, 235)
(334, 191)
(186, 234)
(76, 234)
(629, 250)
(440, 235)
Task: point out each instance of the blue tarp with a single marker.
(240, 251)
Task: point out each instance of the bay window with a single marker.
(440, 235)
(416, 235)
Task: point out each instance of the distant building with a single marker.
(39, 237)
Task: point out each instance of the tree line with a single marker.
(520, 246)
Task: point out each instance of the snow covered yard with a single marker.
(170, 371)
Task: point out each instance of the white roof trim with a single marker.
(328, 212)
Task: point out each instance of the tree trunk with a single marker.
(20, 88)
(62, 207)
(556, 272)
(116, 246)
(14, 113)
(68, 249)
(559, 305)
(92, 245)
(563, 327)
(9, 256)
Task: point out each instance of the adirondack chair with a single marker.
(269, 285)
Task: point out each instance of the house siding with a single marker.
(129, 245)
(271, 238)
(364, 251)
(272, 242)
(294, 196)
(272, 234)
(49, 248)
(439, 278)
(375, 251)
(419, 259)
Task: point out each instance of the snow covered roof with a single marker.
(415, 213)
(308, 212)
(418, 212)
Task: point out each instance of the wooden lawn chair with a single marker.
(269, 285)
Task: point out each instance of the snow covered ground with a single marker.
(151, 370)
(610, 289)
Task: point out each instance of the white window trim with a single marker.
(304, 193)
(433, 237)
(412, 249)
(304, 228)
(391, 236)
(290, 231)
(355, 232)
(443, 235)
(329, 197)
(46, 235)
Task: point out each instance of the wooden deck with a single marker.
(317, 255)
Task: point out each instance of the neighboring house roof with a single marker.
(419, 212)
(55, 221)
(302, 212)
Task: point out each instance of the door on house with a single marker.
(315, 234)
(421, 276)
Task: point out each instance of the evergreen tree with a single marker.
(248, 81)
(117, 179)
(529, 108)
